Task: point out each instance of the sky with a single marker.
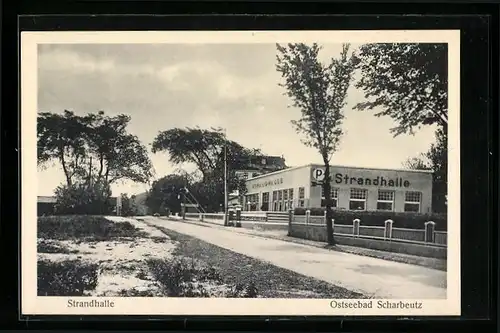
(234, 86)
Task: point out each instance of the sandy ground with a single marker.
(121, 262)
(370, 276)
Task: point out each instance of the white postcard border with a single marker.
(35, 305)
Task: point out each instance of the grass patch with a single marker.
(267, 280)
(157, 239)
(182, 277)
(136, 293)
(67, 278)
(85, 228)
(44, 246)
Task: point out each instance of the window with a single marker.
(357, 200)
(412, 201)
(290, 198)
(334, 193)
(385, 200)
(253, 202)
(275, 201)
(301, 197)
(285, 195)
(265, 201)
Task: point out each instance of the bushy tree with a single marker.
(60, 138)
(84, 198)
(435, 159)
(319, 91)
(164, 194)
(129, 207)
(407, 82)
(207, 149)
(92, 146)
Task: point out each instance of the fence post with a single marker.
(290, 221)
(308, 216)
(200, 216)
(355, 227)
(388, 229)
(238, 216)
(429, 231)
(267, 217)
(231, 217)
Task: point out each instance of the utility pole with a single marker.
(226, 199)
(184, 196)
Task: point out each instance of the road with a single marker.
(371, 276)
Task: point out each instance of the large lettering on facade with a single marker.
(369, 181)
(268, 183)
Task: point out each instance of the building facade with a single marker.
(352, 189)
(260, 165)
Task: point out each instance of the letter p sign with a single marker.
(319, 174)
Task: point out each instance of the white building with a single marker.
(352, 189)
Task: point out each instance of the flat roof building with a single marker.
(353, 188)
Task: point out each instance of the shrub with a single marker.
(67, 278)
(314, 211)
(378, 218)
(177, 276)
(82, 227)
(81, 198)
(46, 247)
(180, 277)
(243, 291)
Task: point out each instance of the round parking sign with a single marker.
(319, 174)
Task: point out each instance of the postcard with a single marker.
(274, 173)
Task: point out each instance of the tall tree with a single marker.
(191, 145)
(60, 139)
(407, 82)
(319, 91)
(118, 154)
(202, 147)
(92, 147)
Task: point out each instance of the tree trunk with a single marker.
(328, 198)
(65, 169)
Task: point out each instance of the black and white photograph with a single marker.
(241, 173)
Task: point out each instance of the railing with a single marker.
(427, 234)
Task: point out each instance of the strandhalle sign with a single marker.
(268, 183)
(339, 178)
